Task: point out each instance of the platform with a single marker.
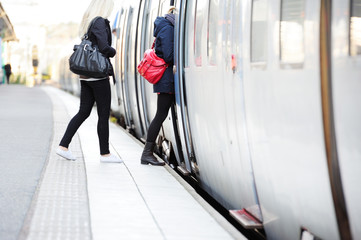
(86, 199)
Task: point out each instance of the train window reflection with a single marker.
(164, 7)
(236, 36)
(213, 26)
(198, 26)
(291, 32)
(226, 30)
(259, 31)
(355, 28)
(189, 38)
(153, 16)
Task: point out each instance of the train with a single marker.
(268, 107)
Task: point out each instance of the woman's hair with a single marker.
(171, 9)
(102, 8)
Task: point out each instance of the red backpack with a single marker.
(152, 67)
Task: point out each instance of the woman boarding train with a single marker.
(164, 45)
(94, 89)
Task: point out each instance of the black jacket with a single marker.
(7, 69)
(164, 45)
(100, 35)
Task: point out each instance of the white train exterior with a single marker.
(268, 106)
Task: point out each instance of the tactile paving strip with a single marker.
(61, 208)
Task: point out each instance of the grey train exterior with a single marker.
(268, 106)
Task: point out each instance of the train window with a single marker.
(213, 33)
(259, 31)
(236, 44)
(226, 29)
(291, 33)
(164, 7)
(153, 16)
(128, 43)
(188, 40)
(355, 28)
(198, 26)
(146, 28)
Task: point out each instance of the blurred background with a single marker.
(35, 34)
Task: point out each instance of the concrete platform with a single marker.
(86, 199)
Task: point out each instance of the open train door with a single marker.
(230, 51)
(210, 103)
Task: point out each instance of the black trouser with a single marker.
(90, 92)
(8, 78)
(164, 102)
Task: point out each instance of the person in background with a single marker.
(7, 69)
(94, 89)
(164, 45)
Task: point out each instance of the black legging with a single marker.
(90, 92)
(8, 77)
(164, 102)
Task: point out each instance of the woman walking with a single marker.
(164, 45)
(94, 89)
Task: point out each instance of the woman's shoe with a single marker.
(148, 157)
(110, 159)
(65, 154)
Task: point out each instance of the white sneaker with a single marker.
(110, 159)
(65, 154)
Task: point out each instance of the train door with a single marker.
(346, 89)
(283, 103)
(124, 66)
(113, 89)
(118, 102)
(228, 16)
(183, 30)
(130, 71)
(143, 47)
(149, 98)
(169, 139)
(138, 56)
(210, 125)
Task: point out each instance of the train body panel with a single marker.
(346, 72)
(284, 116)
(255, 114)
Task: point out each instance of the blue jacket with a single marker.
(164, 45)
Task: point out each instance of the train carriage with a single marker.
(267, 106)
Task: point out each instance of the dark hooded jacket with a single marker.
(164, 45)
(100, 35)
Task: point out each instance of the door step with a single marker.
(246, 219)
(183, 171)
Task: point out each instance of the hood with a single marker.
(159, 23)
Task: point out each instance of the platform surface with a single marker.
(86, 199)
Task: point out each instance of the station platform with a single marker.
(43, 196)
